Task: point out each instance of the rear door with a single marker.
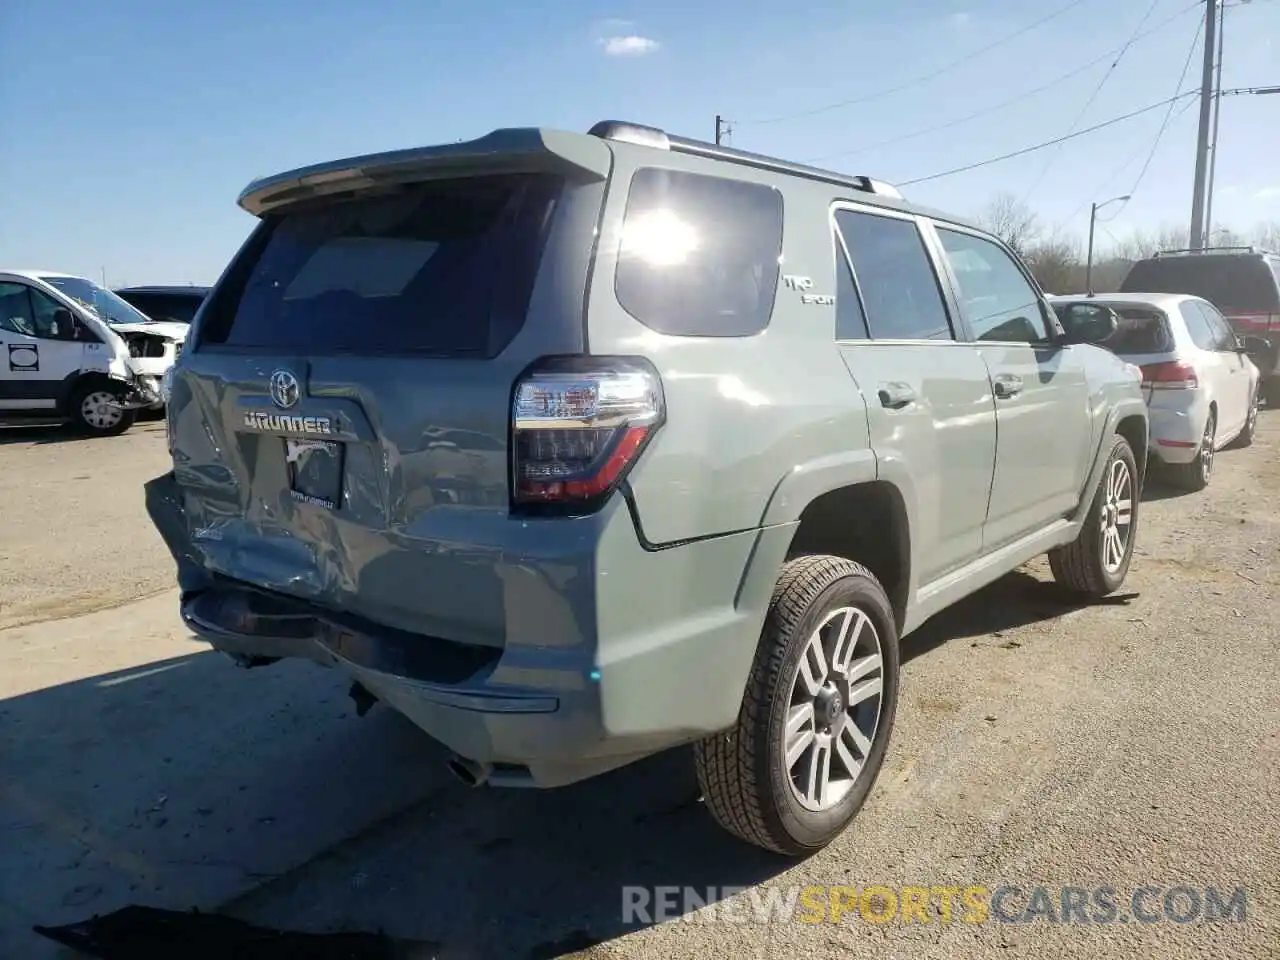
(1045, 433)
(1237, 395)
(1214, 365)
(930, 409)
(340, 424)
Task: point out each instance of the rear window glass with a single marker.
(1231, 283)
(1140, 331)
(444, 268)
(699, 254)
(166, 306)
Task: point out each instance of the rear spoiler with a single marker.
(515, 150)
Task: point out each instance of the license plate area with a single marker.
(315, 471)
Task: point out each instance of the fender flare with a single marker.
(1120, 410)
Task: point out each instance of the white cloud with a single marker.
(628, 45)
(1268, 194)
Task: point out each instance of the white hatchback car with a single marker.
(1202, 388)
(74, 351)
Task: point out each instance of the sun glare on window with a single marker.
(659, 238)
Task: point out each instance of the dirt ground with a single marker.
(1129, 743)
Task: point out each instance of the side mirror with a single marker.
(1088, 322)
(1255, 348)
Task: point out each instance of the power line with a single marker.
(1164, 125)
(1050, 143)
(1169, 114)
(1094, 96)
(923, 77)
(1168, 121)
(1026, 95)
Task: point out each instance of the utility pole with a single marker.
(722, 128)
(1213, 143)
(1206, 116)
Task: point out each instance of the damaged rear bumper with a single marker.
(527, 712)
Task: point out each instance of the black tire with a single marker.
(1271, 391)
(743, 773)
(86, 423)
(1245, 439)
(1195, 476)
(1080, 565)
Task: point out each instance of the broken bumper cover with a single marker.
(141, 393)
(540, 715)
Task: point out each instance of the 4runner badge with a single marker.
(283, 423)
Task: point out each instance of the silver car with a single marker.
(1202, 388)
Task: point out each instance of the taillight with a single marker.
(578, 424)
(1173, 375)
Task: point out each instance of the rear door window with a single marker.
(895, 276)
(443, 268)
(1198, 325)
(699, 255)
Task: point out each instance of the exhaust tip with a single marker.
(470, 772)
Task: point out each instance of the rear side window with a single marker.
(1198, 325)
(699, 254)
(1140, 330)
(165, 306)
(444, 268)
(1231, 283)
(893, 271)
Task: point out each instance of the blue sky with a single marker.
(131, 126)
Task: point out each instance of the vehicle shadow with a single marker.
(190, 783)
(1017, 599)
(43, 433)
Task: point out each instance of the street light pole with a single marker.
(1213, 137)
(1093, 220)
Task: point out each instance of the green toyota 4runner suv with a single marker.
(577, 447)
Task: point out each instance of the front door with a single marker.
(1044, 431)
(38, 348)
(929, 406)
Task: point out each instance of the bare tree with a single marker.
(1012, 221)
(1055, 262)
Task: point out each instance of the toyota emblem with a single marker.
(284, 389)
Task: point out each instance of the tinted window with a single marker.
(894, 274)
(1197, 325)
(1223, 336)
(699, 255)
(1231, 283)
(166, 306)
(851, 321)
(1140, 330)
(999, 301)
(34, 314)
(15, 309)
(445, 268)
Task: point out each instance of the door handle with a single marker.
(895, 396)
(1007, 385)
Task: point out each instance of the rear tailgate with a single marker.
(340, 423)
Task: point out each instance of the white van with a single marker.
(74, 351)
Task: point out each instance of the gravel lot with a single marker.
(1129, 743)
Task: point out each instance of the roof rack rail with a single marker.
(1249, 248)
(646, 136)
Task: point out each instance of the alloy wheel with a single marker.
(834, 709)
(1116, 514)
